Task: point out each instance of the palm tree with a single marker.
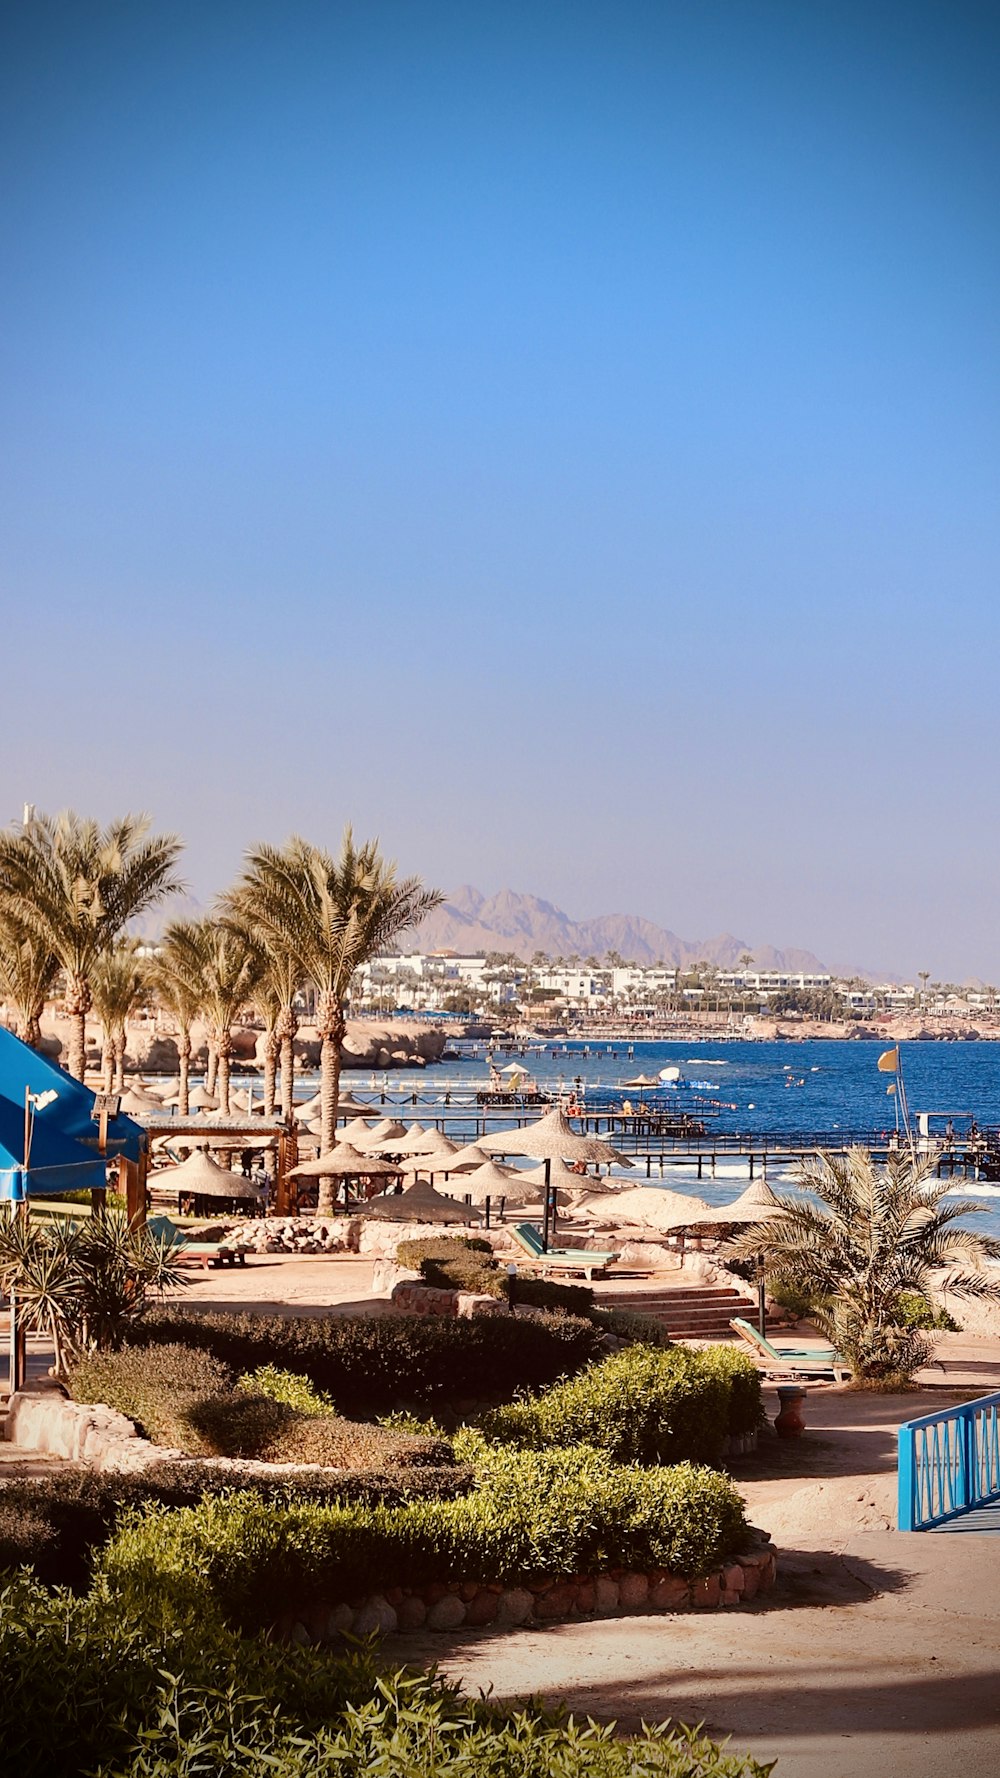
(28, 972)
(873, 1236)
(332, 915)
(119, 983)
(230, 970)
(280, 983)
(75, 885)
(179, 982)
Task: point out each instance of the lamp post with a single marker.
(17, 1364)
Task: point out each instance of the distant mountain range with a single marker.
(523, 924)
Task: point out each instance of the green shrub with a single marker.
(548, 1293)
(746, 1401)
(631, 1325)
(913, 1309)
(641, 1405)
(455, 1262)
(155, 1386)
(287, 1386)
(375, 1365)
(54, 1524)
(530, 1514)
(89, 1685)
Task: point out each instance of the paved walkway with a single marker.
(878, 1656)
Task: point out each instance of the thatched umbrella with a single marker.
(138, 1103)
(656, 1208)
(200, 1099)
(552, 1138)
(493, 1181)
(346, 1163)
(467, 1159)
(419, 1203)
(757, 1204)
(202, 1177)
(642, 1080)
(386, 1134)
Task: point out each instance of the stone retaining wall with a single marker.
(460, 1604)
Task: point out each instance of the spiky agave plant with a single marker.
(83, 1283)
(873, 1234)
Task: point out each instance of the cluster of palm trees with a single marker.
(298, 918)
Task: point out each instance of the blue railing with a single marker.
(949, 1463)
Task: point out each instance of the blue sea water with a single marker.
(740, 1086)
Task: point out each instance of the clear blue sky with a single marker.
(561, 438)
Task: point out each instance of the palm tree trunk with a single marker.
(108, 1064)
(223, 1050)
(77, 1007)
(272, 1047)
(120, 1063)
(333, 1030)
(286, 1028)
(184, 1058)
(212, 1068)
(31, 1032)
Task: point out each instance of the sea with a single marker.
(799, 1088)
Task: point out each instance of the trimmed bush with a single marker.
(286, 1386)
(746, 1402)
(454, 1262)
(634, 1327)
(530, 1514)
(88, 1685)
(157, 1388)
(53, 1524)
(372, 1366)
(640, 1405)
(184, 1398)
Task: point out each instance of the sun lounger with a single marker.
(820, 1361)
(201, 1253)
(559, 1259)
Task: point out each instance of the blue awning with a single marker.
(22, 1068)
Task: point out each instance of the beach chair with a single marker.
(201, 1253)
(819, 1361)
(559, 1259)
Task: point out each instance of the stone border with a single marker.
(532, 1604)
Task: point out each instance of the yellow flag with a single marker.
(888, 1062)
(890, 1089)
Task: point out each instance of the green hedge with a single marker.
(375, 1365)
(53, 1524)
(454, 1262)
(185, 1398)
(88, 1685)
(530, 1514)
(642, 1405)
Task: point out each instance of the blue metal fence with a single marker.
(949, 1463)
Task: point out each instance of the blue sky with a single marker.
(562, 439)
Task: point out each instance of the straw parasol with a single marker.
(657, 1208)
(138, 1103)
(202, 1177)
(552, 1138)
(403, 1144)
(385, 1134)
(465, 1160)
(757, 1204)
(200, 1099)
(419, 1203)
(343, 1162)
(491, 1181)
(642, 1080)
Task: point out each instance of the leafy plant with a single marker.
(530, 1514)
(641, 1405)
(83, 1283)
(93, 1686)
(370, 1366)
(874, 1235)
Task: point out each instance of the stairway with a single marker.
(696, 1312)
